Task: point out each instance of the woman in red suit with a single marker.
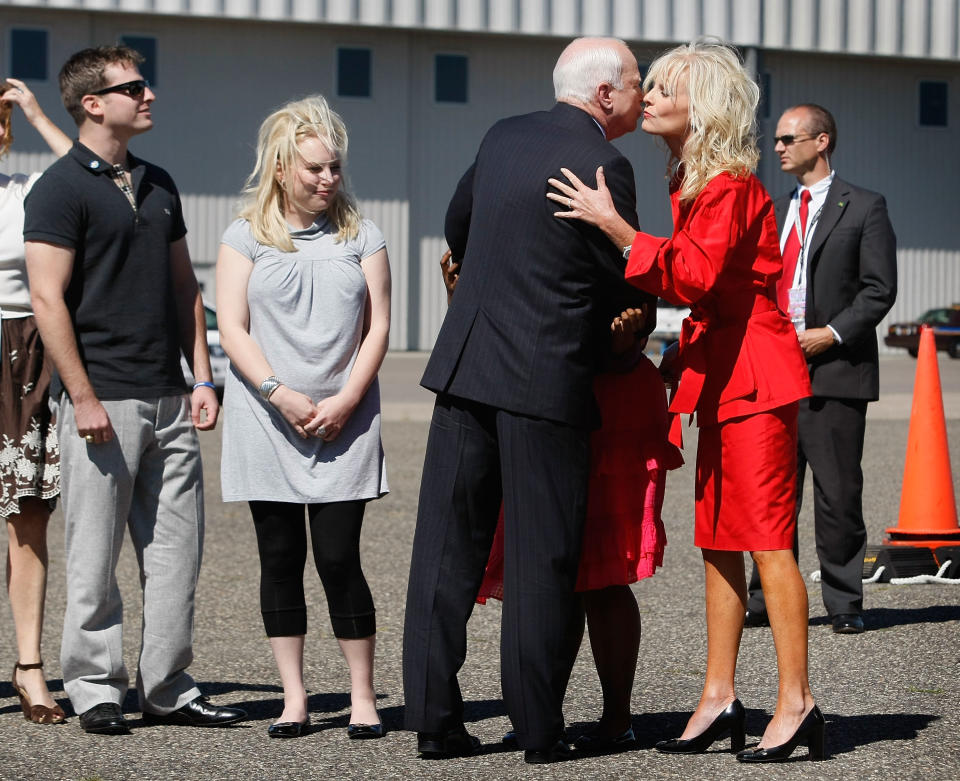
(740, 369)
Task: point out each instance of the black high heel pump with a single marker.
(733, 720)
(811, 729)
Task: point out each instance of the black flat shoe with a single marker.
(365, 731)
(558, 752)
(732, 720)
(104, 719)
(755, 618)
(456, 742)
(811, 729)
(288, 729)
(594, 743)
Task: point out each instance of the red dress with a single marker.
(623, 538)
(741, 367)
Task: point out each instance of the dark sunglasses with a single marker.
(134, 89)
(788, 139)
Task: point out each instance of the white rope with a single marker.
(876, 575)
(814, 576)
(938, 578)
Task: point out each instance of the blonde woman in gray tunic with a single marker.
(303, 304)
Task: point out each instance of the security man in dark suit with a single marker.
(839, 281)
(513, 368)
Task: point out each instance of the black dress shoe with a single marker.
(365, 731)
(104, 719)
(197, 713)
(732, 720)
(288, 729)
(510, 741)
(594, 743)
(456, 742)
(847, 624)
(754, 618)
(558, 752)
(811, 729)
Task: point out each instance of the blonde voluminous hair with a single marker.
(277, 148)
(723, 111)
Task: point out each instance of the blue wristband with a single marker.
(204, 385)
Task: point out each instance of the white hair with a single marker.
(577, 77)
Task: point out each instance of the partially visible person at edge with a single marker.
(623, 537)
(30, 467)
(116, 301)
(741, 371)
(840, 280)
(303, 306)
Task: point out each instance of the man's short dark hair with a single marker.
(819, 121)
(83, 74)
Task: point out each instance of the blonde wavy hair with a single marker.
(277, 146)
(723, 111)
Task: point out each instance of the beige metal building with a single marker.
(419, 81)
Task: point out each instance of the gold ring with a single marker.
(89, 437)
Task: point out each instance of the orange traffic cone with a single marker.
(928, 508)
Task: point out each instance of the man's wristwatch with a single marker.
(268, 386)
(626, 251)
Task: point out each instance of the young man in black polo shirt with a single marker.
(116, 301)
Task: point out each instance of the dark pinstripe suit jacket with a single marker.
(529, 324)
(851, 284)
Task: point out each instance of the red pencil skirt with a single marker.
(746, 482)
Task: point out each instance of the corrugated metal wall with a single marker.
(907, 28)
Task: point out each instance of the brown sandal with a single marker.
(39, 714)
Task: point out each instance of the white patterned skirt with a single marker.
(29, 451)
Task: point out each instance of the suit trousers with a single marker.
(831, 433)
(476, 456)
(149, 479)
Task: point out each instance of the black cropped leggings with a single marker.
(282, 541)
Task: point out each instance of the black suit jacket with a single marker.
(851, 285)
(529, 324)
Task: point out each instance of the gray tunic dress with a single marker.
(306, 315)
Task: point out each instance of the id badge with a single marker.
(797, 308)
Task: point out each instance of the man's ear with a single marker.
(605, 96)
(92, 104)
(823, 142)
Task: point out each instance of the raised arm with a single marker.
(192, 325)
(58, 141)
(334, 411)
(49, 267)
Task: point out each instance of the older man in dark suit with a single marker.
(839, 280)
(512, 368)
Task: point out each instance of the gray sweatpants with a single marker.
(148, 478)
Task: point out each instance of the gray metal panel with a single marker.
(925, 29)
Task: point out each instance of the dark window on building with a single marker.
(28, 54)
(933, 104)
(147, 46)
(450, 78)
(354, 73)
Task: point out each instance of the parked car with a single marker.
(669, 321)
(946, 331)
(219, 363)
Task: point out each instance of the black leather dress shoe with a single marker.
(104, 719)
(288, 729)
(365, 731)
(594, 743)
(847, 624)
(558, 752)
(510, 741)
(444, 745)
(197, 713)
(754, 618)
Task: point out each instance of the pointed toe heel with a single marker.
(812, 730)
(732, 719)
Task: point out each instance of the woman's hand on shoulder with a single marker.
(332, 415)
(297, 408)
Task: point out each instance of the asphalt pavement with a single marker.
(891, 696)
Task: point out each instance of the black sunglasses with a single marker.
(134, 89)
(788, 139)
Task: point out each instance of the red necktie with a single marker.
(791, 252)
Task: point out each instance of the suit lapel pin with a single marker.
(840, 204)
